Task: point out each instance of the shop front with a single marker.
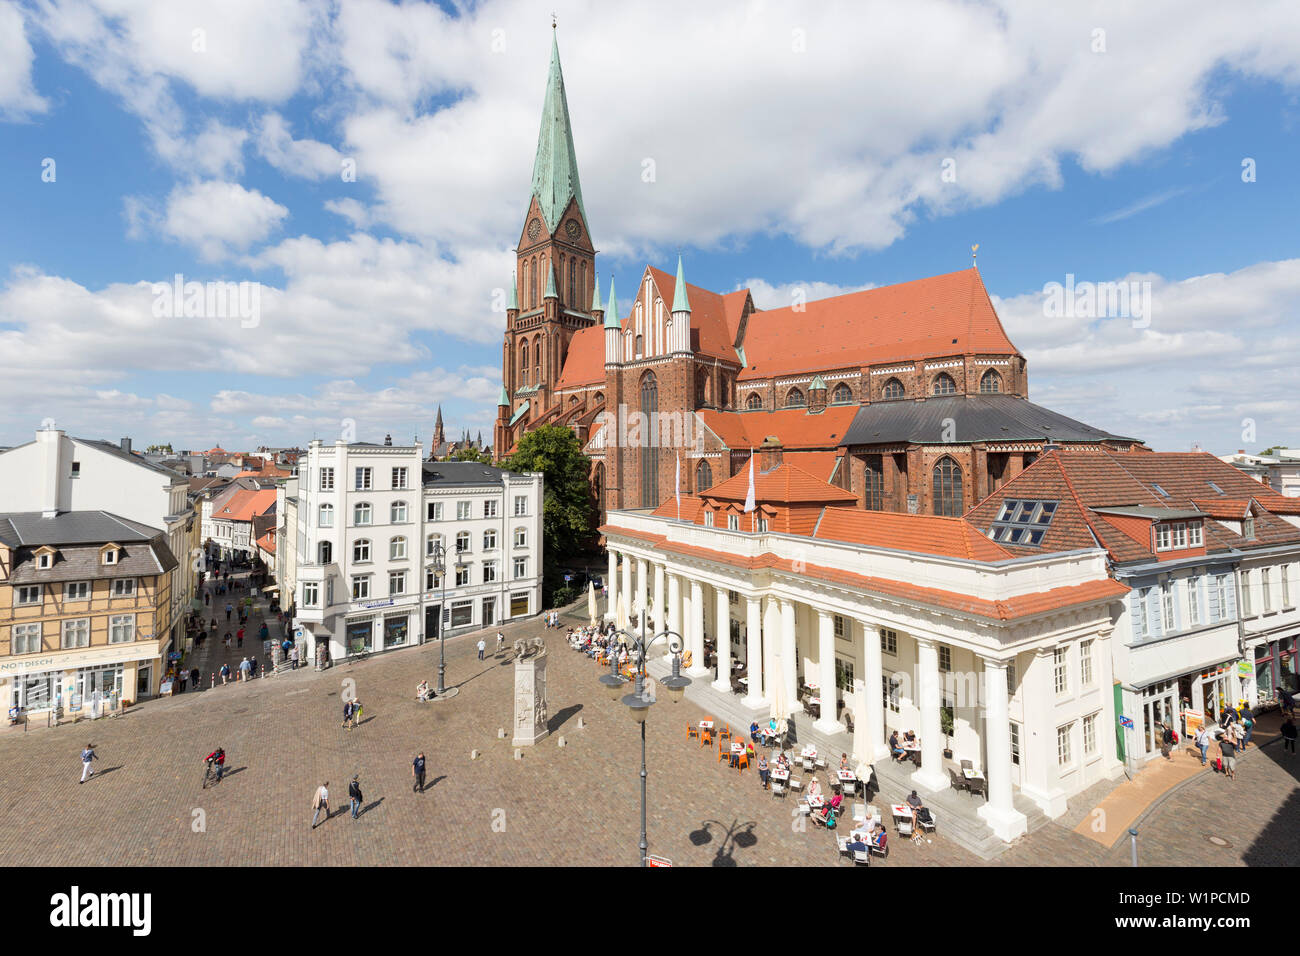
(82, 682)
(1275, 669)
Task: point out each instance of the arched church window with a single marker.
(893, 389)
(794, 399)
(944, 385)
(990, 382)
(947, 488)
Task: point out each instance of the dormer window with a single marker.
(45, 558)
(1248, 528)
(1194, 534)
(110, 554)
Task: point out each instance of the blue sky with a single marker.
(792, 148)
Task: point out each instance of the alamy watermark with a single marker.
(208, 300)
(1098, 300)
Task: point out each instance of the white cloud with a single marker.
(304, 158)
(18, 96)
(215, 217)
(768, 296)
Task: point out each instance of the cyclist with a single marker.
(217, 757)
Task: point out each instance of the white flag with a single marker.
(678, 491)
(750, 504)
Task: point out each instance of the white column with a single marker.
(642, 589)
(789, 655)
(723, 625)
(611, 581)
(826, 723)
(661, 605)
(930, 776)
(874, 727)
(773, 647)
(754, 652)
(627, 588)
(675, 608)
(1007, 822)
(1112, 767)
(697, 630)
(1038, 773)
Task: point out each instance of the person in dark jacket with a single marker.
(1288, 736)
(354, 795)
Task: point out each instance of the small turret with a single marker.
(613, 329)
(680, 340)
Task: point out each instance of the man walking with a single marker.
(482, 646)
(417, 771)
(239, 637)
(501, 641)
(321, 802)
(1228, 748)
(354, 796)
(225, 673)
(1288, 736)
(1166, 741)
(347, 713)
(1247, 722)
(229, 610)
(87, 756)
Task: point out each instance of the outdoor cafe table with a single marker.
(901, 811)
(809, 751)
(737, 748)
(779, 774)
(847, 776)
(972, 774)
(814, 801)
(706, 725)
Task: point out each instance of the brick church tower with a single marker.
(554, 280)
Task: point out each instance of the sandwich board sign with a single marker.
(657, 861)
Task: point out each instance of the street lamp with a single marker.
(440, 569)
(639, 701)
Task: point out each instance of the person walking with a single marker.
(194, 677)
(1228, 748)
(356, 712)
(354, 796)
(1202, 741)
(87, 756)
(225, 673)
(482, 646)
(244, 669)
(184, 677)
(321, 802)
(501, 641)
(239, 637)
(417, 771)
(230, 608)
(1288, 735)
(1248, 723)
(293, 658)
(348, 711)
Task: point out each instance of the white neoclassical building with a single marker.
(367, 519)
(892, 622)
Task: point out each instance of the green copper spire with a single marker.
(513, 301)
(555, 170)
(680, 302)
(611, 310)
(595, 295)
(550, 284)
(504, 399)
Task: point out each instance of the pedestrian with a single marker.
(194, 677)
(263, 632)
(207, 598)
(763, 773)
(1166, 741)
(356, 712)
(354, 796)
(347, 713)
(252, 667)
(239, 637)
(501, 641)
(321, 802)
(482, 646)
(1288, 735)
(184, 676)
(1228, 748)
(229, 610)
(1202, 742)
(417, 771)
(225, 673)
(1247, 722)
(1286, 702)
(293, 658)
(87, 756)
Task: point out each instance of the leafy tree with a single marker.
(566, 511)
(471, 454)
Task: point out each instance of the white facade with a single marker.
(1269, 582)
(366, 517)
(57, 473)
(1030, 695)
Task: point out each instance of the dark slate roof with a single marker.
(974, 418)
(462, 473)
(29, 529)
(115, 449)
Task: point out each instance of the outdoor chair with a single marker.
(744, 760)
(958, 781)
(691, 730)
(881, 850)
(862, 857)
(724, 732)
(980, 787)
(796, 783)
(724, 753)
(706, 737)
(967, 765)
(808, 764)
(928, 822)
(778, 789)
(848, 721)
(904, 826)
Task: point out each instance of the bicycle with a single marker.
(359, 652)
(210, 775)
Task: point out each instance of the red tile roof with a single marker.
(244, 504)
(795, 427)
(820, 464)
(1230, 509)
(784, 484)
(922, 534)
(267, 542)
(943, 315)
(709, 315)
(585, 363)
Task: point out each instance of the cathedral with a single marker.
(911, 397)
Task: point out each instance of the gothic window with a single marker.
(640, 346)
(794, 399)
(523, 363)
(842, 395)
(649, 442)
(573, 283)
(893, 389)
(944, 385)
(702, 389)
(532, 288)
(754, 401)
(873, 485)
(703, 476)
(598, 399)
(947, 488)
(525, 291)
(537, 357)
(990, 382)
(586, 298)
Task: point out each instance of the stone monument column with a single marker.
(530, 699)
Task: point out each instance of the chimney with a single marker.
(388, 440)
(50, 440)
(817, 395)
(769, 454)
(126, 445)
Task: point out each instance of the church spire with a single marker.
(438, 438)
(596, 304)
(680, 302)
(550, 284)
(555, 170)
(611, 310)
(513, 301)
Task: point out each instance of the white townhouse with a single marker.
(57, 473)
(886, 622)
(368, 519)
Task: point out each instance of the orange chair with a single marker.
(706, 737)
(691, 730)
(724, 732)
(723, 752)
(744, 760)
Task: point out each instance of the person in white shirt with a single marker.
(321, 802)
(1202, 741)
(482, 646)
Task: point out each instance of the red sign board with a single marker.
(657, 861)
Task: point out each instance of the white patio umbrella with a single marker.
(620, 613)
(591, 603)
(780, 710)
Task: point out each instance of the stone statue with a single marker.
(530, 694)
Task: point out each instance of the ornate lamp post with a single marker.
(639, 701)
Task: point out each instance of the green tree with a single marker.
(566, 510)
(471, 454)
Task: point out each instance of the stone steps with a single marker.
(955, 811)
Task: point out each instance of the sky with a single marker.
(364, 166)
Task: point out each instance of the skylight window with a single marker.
(1160, 491)
(1216, 488)
(1023, 522)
